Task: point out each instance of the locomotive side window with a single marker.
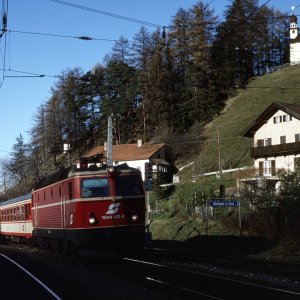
(94, 187)
(129, 185)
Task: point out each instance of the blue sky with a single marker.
(20, 97)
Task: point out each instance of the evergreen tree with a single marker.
(140, 49)
(91, 97)
(17, 169)
(120, 100)
(121, 51)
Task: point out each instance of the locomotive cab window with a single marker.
(94, 187)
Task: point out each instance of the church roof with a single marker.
(296, 40)
(293, 19)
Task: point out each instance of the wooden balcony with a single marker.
(275, 150)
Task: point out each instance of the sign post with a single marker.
(225, 203)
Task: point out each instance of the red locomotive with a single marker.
(89, 206)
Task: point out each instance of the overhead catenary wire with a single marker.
(145, 23)
(83, 37)
(31, 74)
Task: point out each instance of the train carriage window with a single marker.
(94, 187)
(129, 185)
(22, 212)
(26, 211)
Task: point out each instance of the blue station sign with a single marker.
(223, 203)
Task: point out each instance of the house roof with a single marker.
(291, 109)
(128, 152)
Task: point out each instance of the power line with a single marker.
(106, 13)
(83, 37)
(30, 74)
(258, 9)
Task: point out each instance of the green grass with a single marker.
(179, 228)
(238, 115)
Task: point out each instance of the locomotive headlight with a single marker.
(111, 171)
(134, 218)
(92, 218)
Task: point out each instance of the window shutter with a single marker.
(269, 141)
(296, 163)
(260, 143)
(261, 168)
(273, 167)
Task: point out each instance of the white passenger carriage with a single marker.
(15, 217)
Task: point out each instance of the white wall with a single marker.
(274, 131)
(294, 53)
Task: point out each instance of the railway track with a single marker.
(188, 275)
(290, 270)
(162, 274)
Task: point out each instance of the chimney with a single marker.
(139, 143)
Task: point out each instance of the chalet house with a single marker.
(276, 138)
(148, 158)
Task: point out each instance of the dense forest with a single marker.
(157, 87)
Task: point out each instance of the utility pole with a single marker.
(109, 160)
(219, 152)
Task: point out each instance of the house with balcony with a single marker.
(276, 141)
(149, 158)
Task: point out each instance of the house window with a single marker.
(267, 171)
(297, 137)
(283, 118)
(264, 142)
(267, 168)
(297, 164)
(283, 139)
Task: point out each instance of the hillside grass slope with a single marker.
(238, 114)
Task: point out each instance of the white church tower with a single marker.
(294, 41)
